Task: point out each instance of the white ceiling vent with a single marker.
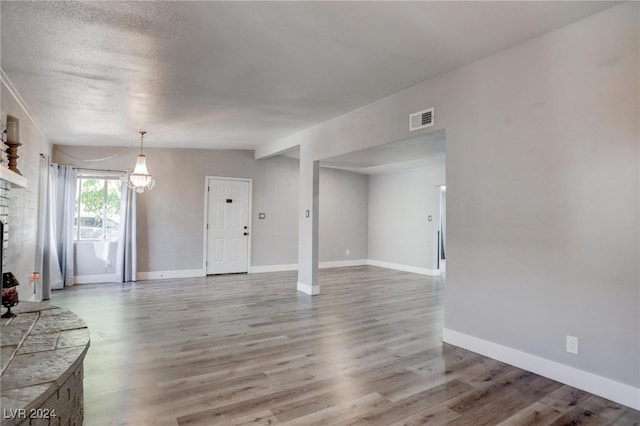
(421, 119)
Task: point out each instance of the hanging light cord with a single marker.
(96, 160)
(142, 133)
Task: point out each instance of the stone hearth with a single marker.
(42, 353)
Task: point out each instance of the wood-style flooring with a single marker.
(249, 349)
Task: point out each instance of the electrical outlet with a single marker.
(348, 252)
(572, 345)
(107, 263)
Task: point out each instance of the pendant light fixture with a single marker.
(140, 178)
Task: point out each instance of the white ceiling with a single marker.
(240, 74)
(420, 151)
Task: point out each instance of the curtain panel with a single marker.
(55, 231)
(126, 258)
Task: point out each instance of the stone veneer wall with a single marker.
(64, 407)
(43, 350)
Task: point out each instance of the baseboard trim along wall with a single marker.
(97, 278)
(308, 289)
(159, 275)
(294, 266)
(597, 385)
(190, 273)
(343, 263)
(405, 268)
(273, 268)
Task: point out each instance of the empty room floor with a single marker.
(250, 349)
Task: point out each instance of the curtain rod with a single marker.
(45, 157)
(98, 170)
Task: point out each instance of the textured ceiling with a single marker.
(427, 150)
(240, 74)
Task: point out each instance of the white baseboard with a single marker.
(308, 289)
(405, 268)
(597, 385)
(294, 266)
(189, 273)
(159, 275)
(273, 268)
(342, 263)
(97, 278)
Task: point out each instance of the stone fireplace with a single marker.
(8, 181)
(43, 348)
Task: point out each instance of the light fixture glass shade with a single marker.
(140, 178)
(140, 175)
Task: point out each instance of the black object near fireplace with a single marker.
(9, 283)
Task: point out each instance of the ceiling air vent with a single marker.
(421, 119)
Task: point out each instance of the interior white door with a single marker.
(227, 226)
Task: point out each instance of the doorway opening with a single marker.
(441, 235)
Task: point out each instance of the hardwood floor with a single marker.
(249, 349)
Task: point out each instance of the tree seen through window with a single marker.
(97, 208)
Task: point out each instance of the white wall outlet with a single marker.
(108, 263)
(572, 344)
(348, 252)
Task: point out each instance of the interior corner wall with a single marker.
(399, 206)
(543, 197)
(23, 204)
(171, 216)
(343, 216)
(542, 190)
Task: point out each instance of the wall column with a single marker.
(308, 224)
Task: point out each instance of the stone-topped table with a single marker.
(42, 350)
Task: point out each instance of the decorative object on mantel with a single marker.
(13, 142)
(140, 178)
(9, 293)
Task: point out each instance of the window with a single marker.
(97, 208)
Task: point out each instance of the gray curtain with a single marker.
(65, 205)
(57, 204)
(126, 260)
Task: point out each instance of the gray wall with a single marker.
(92, 259)
(23, 206)
(399, 206)
(171, 216)
(538, 136)
(343, 215)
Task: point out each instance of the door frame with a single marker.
(437, 222)
(205, 244)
